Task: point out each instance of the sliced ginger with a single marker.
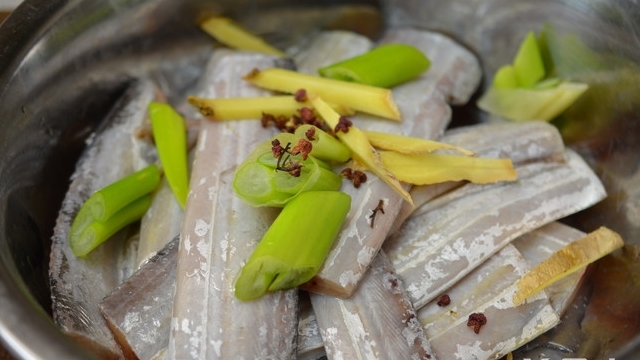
(567, 260)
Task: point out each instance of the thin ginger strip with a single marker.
(425, 169)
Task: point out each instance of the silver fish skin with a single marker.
(309, 342)
(219, 233)
(138, 311)
(79, 284)
(521, 142)
(160, 224)
(452, 234)
(376, 322)
(425, 114)
(487, 290)
(477, 291)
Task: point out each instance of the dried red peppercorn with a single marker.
(444, 300)
(476, 320)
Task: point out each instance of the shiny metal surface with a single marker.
(64, 62)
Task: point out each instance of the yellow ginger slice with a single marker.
(362, 151)
(233, 35)
(369, 99)
(567, 260)
(409, 145)
(425, 169)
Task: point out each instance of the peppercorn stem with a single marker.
(370, 99)
(98, 232)
(170, 135)
(385, 66)
(295, 246)
(233, 35)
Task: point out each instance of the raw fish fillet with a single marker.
(508, 327)
(218, 235)
(425, 114)
(449, 236)
(138, 311)
(79, 284)
(521, 142)
(376, 322)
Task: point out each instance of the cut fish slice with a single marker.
(376, 322)
(79, 284)
(425, 115)
(138, 311)
(449, 236)
(521, 142)
(219, 233)
(508, 327)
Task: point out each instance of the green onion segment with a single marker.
(258, 182)
(385, 66)
(170, 135)
(528, 88)
(295, 246)
(111, 208)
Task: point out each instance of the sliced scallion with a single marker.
(295, 246)
(108, 208)
(170, 135)
(385, 66)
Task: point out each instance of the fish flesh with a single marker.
(138, 311)
(449, 236)
(508, 327)
(160, 224)
(79, 284)
(425, 114)
(521, 142)
(219, 233)
(376, 322)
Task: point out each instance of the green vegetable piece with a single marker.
(325, 147)
(295, 246)
(385, 66)
(108, 202)
(531, 104)
(98, 232)
(258, 183)
(528, 63)
(110, 199)
(505, 78)
(170, 134)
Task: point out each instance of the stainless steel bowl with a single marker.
(64, 62)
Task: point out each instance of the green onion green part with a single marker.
(259, 182)
(326, 147)
(295, 246)
(385, 66)
(98, 232)
(170, 135)
(111, 207)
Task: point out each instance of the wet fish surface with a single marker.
(376, 322)
(449, 236)
(425, 114)
(218, 234)
(138, 311)
(79, 284)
